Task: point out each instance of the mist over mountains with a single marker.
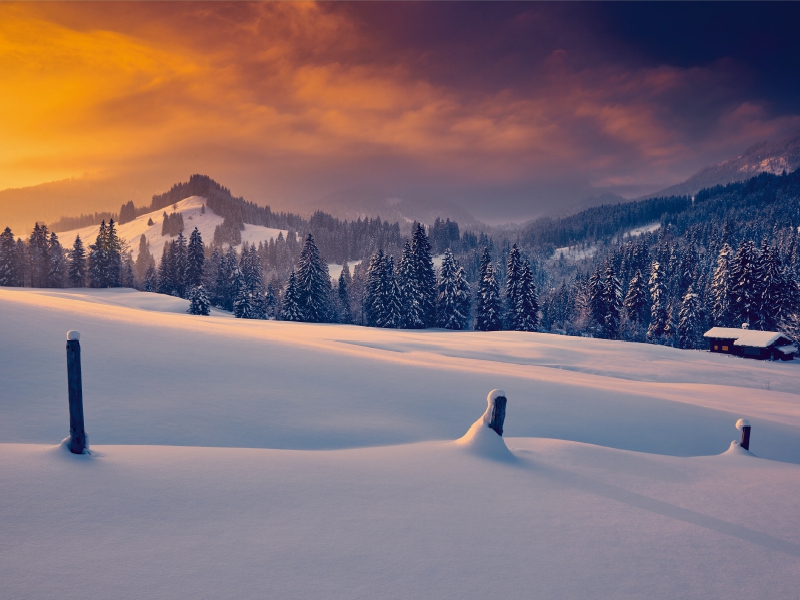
(764, 157)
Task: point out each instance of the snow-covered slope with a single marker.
(636, 493)
(765, 157)
(190, 208)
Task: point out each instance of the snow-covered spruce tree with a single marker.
(313, 284)
(253, 286)
(39, 256)
(243, 301)
(413, 314)
(290, 306)
(165, 268)
(452, 300)
(143, 259)
(612, 300)
(8, 276)
(690, 321)
(513, 287)
(659, 309)
(343, 295)
(57, 274)
(773, 306)
(126, 277)
(113, 255)
(195, 259)
(200, 305)
(151, 279)
(421, 287)
(745, 285)
(374, 288)
(180, 264)
(637, 308)
(271, 301)
(390, 293)
(487, 303)
(721, 315)
(98, 260)
(595, 297)
(527, 308)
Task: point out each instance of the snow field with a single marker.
(260, 459)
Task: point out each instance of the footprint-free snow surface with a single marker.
(250, 459)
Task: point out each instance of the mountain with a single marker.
(352, 205)
(195, 213)
(764, 157)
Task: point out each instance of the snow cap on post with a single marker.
(743, 425)
(73, 335)
(495, 411)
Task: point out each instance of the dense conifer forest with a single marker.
(729, 255)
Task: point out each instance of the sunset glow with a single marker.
(293, 101)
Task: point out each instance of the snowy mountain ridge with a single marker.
(195, 213)
(764, 157)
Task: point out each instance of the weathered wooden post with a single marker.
(743, 425)
(497, 406)
(77, 435)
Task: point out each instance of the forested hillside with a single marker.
(728, 256)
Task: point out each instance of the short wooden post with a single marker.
(743, 425)
(497, 404)
(77, 435)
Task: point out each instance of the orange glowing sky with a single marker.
(293, 101)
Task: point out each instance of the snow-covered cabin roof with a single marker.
(745, 337)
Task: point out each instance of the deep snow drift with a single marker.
(641, 495)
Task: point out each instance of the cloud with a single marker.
(306, 92)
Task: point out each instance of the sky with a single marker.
(508, 109)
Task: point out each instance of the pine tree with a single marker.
(144, 259)
(375, 303)
(488, 305)
(452, 300)
(745, 286)
(390, 294)
(8, 275)
(39, 256)
(195, 259)
(527, 308)
(413, 313)
(98, 260)
(151, 279)
(313, 284)
(252, 291)
(637, 310)
(114, 256)
(199, 304)
(343, 293)
(271, 301)
(513, 287)
(422, 291)
(180, 263)
(57, 273)
(290, 307)
(721, 314)
(659, 311)
(690, 322)
(597, 310)
(612, 299)
(772, 307)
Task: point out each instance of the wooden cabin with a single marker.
(749, 343)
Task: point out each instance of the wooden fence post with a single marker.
(497, 402)
(77, 435)
(743, 425)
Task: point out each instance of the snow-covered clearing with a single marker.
(190, 208)
(582, 251)
(643, 229)
(261, 459)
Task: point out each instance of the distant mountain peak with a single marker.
(763, 157)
